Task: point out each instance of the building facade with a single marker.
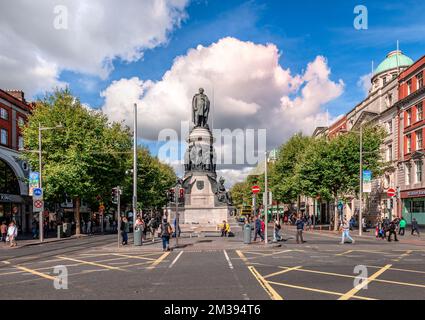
(15, 204)
(411, 147)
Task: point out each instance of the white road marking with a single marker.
(175, 260)
(228, 259)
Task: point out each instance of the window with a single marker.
(4, 114)
(390, 127)
(21, 122)
(419, 145)
(409, 117)
(418, 206)
(390, 152)
(409, 87)
(384, 81)
(420, 80)
(409, 143)
(4, 137)
(407, 173)
(419, 112)
(418, 169)
(20, 142)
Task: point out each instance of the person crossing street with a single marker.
(345, 228)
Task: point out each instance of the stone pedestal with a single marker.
(206, 202)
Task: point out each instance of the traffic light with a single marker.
(181, 195)
(114, 195)
(171, 195)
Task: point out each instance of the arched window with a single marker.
(8, 181)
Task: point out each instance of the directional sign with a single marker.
(255, 189)
(391, 192)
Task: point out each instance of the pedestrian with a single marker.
(176, 228)
(345, 228)
(364, 226)
(352, 223)
(46, 229)
(309, 223)
(34, 226)
(88, 231)
(165, 232)
(392, 230)
(402, 226)
(258, 229)
(415, 227)
(125, 229)
(12, 233)
(3, 230)
(277, 229)
(225, 229)
(299, 223)
(386, 226)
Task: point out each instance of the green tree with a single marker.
(282, 174)
(330, 168)
(84, 159)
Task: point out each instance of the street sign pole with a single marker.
(134, 171)
(361, 182)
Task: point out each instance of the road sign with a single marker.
(391, 192)
(38, 206)
(37, 193)
(255, 189)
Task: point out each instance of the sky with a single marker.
(282, 66)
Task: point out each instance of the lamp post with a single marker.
(134, 171)
(40, 216)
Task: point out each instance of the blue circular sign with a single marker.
(37, 192)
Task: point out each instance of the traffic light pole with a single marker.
(119, 214)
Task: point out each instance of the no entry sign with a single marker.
(255, 189)
(391, 192)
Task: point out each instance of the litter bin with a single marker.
(247, 233)
(138, 237)
(60, 230)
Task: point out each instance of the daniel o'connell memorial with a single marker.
(206, 202)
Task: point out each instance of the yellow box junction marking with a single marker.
(91, 263)
(281, 272)
(266, 286)
(40, 274)
(357, 288)
(159, 260)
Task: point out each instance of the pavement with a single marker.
(215, 268)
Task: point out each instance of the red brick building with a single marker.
(411, 145)
(14, 201)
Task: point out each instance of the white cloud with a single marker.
(251, 90)
(365, 83)
(33, 52)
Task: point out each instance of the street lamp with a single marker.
(40, 129)
(266, 198)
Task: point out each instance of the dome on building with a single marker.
(394, 59)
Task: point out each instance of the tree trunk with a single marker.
(77, 215)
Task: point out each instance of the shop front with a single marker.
(413, 202)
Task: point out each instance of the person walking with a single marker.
(3, 230)
(299, 223)
(402, 226)
(12, 233)
(392, 230)
(165, 232)
(415, 227)
(277, 229)
(345, 228)
(258, 229)
(88, 231)
(125, 229)
(177, 229)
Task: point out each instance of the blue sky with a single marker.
(301, 29)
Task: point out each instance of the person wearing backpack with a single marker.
(165, 232)
(391, 231)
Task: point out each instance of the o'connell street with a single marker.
(208, 159)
